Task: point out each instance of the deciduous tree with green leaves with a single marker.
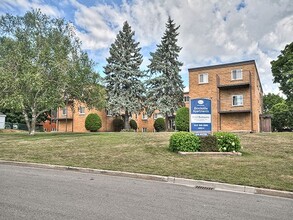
(165, 86)
(282, 69)
(42, 65)
(270, 100)
(123, 79)
(282, 116)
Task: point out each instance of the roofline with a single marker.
(222, 65)
(229, 64)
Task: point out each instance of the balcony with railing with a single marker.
(234, 79)
(64, 114)
(234, 104)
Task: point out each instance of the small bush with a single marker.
(118, 124)
(93, 122)
(227, 142)
(182, 119)
(184, 141)
(208, 144)
(133, 124)
(159, 124)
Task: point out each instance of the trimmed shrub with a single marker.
(227, 142)
(133, 124)
(159, 124)
(118, 124)
(184, 141)
(208, 144)
(93, 122)
(182, 119)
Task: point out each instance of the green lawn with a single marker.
(267, 159)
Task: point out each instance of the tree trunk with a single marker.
(126, 120)
(30, 123)
(27, 121)
(33, 124)
(166, 121)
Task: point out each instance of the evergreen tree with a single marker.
(165, 86)
(124, 77)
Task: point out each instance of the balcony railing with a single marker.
(225, 105)
(226, 81)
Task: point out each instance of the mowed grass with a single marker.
(267, 159)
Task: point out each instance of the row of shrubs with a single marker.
(218, 142)
(93, 123)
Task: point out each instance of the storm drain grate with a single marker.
(204, 187)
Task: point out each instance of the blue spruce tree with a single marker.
(123, 79)
(165, 85)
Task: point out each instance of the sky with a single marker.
(211, 32)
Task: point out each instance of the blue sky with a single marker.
(211, 32)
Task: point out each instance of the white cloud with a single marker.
(211, 32)
(25, 5)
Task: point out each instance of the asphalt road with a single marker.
(33, 193)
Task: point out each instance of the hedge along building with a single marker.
(235, 91)
(72, 119)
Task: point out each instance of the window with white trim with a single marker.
(157, 115)
(203, 78)
(144, 129)
(64, 111)
(144, 116)
(237, 100)
(186, 98)
(109, 113)
(81, 110)
(236, 74)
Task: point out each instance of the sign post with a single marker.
(201, 116)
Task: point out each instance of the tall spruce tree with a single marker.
(123, 76)
(165, 86)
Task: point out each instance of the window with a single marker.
(81, 110)
(203, 78)
(144, 129)
(186, 98)
(144, 116)
(64, 111)
(237, 100)
(236, 74)
(109, 113)
(157, 115)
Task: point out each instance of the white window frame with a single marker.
(109, 113)
(205, 77)
(186, 98)
(144, 116)
(157, 115)
(80, 108)
(236, 71)
(64, 111)
(237, 96)
(144, 130)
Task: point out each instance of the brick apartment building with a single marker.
(68, 120)
(235, 91)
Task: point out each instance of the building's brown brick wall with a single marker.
(76, 121)
(222, 97)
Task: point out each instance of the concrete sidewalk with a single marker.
(201, 184)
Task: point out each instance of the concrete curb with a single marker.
(211, 153)
(200, 184)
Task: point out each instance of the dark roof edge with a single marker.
(222, 65)
(229, 64)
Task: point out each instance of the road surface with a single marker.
(34, 193)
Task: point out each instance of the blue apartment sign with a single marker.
(201, 116)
